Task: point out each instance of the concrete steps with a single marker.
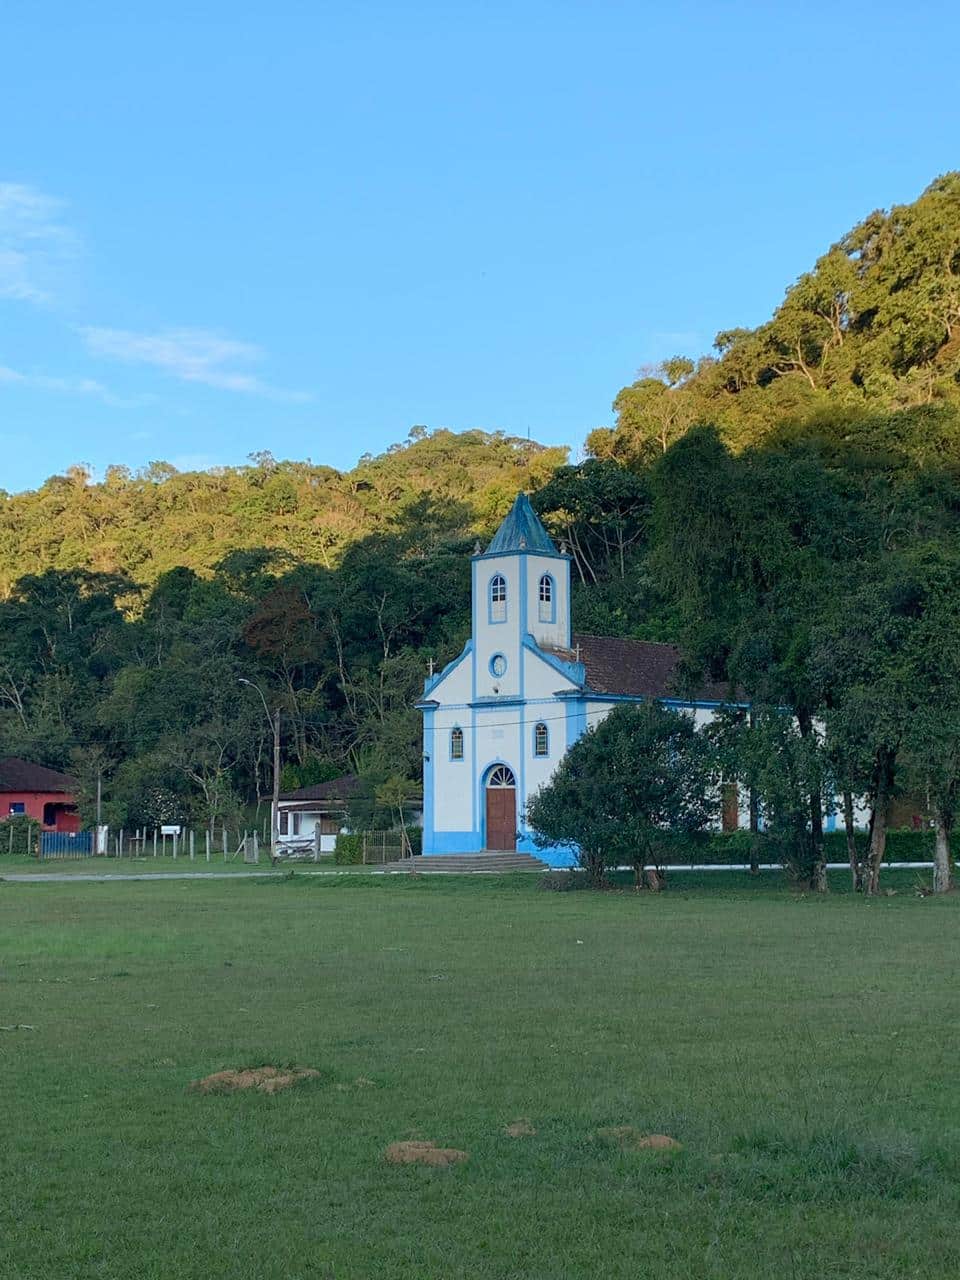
(490, 862)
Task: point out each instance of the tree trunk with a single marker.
(942, 856)
(818, 870)
(754, 833)
(818, 867)
(404, 839)
(853, 853)
(595, 865)
(878, 846)
(878, 822)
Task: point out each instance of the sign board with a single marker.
(171, 830)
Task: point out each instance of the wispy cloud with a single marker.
(191, 355)
(34, 243)
(68, 386)
(193, 461)
(35, 246)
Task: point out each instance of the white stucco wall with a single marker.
(556, 633)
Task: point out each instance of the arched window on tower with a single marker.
(498, 598)
(541, 740)
(547, 599)
(456, 744)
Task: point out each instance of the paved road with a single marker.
(61, 877)
(66, 877)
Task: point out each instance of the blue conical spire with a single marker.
(522, 531)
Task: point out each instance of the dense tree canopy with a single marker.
(788, 512)
(875, 323)
(145, 523)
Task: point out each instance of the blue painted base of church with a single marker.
(447, 842)
(450, 843)
(553, 856)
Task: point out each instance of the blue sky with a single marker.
(305, 227)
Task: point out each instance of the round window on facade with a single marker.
(498, 665)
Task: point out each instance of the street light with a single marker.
(273, 720)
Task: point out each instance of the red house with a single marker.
(47, 796)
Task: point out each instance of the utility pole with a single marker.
(275, 807)
(273, 720)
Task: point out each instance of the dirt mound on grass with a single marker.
(263, 1079)
(520, 1129)
(423, 1153)
(631, 1139)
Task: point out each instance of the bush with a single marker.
(564, 881)
(734, 846)
(348, 851)
(19, 834)
(415, 836)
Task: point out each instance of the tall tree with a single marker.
(626, 790)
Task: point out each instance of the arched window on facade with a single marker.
(501, 776)
(546, 599)
(498, 598)
(541, 740)
(456, 744)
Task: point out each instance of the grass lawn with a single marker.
(804, 1052)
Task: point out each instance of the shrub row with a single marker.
(19, 834)
(348, 851)
(718, 848)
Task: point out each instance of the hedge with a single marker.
(717, 848)
(348, 851)
(19, 834)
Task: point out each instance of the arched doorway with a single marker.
(501, 801)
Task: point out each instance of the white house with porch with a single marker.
(318, 813)
(497, 719)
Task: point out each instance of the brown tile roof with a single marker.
(640, 668)
(336, 789)
(21, 775)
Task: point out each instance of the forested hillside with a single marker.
(874, 325)
(788, 511)
(142, 524)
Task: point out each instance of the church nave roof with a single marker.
(637, 669)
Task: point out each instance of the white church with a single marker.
(497, 719)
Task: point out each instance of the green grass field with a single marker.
(29, 865)
(804, 1052)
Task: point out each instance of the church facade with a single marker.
(499, 717)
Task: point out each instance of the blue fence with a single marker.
(66, 844)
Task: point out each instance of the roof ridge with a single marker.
(659, 644)
(17, 774)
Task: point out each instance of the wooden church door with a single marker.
(501, 794)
